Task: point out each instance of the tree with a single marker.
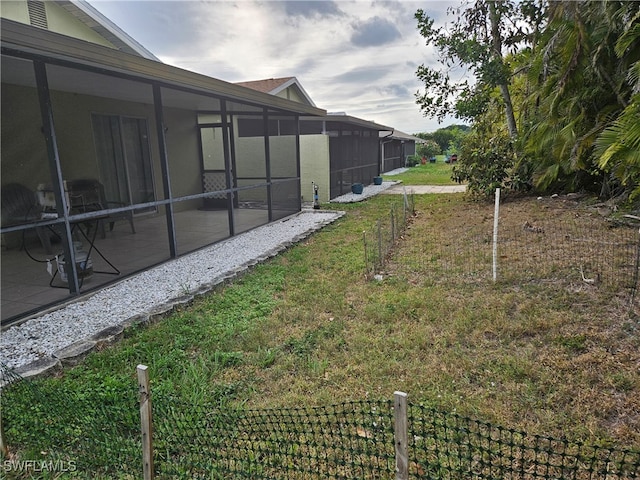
(583, 69)
(428, 149)
(618, 147)
(447, 135)
(474, 41)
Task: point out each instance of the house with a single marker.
(336, 150)
(396, 147)
(109, 152)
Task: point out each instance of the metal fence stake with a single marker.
(400, 435)
(496, 215)
(146, 423)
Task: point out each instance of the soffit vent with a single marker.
(37, 13)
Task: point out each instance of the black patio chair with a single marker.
(20, 206)
(88, 195)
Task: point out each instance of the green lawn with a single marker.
(438, 173)
(307, 328)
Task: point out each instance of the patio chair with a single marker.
(20, 206)
(87, 194)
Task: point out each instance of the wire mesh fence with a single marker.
(358, 439)
(570, 245)
(379, 243)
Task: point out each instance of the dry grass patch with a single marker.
(545, 357)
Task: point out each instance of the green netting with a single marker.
(449, 446)
(66, 432)
(348, 440)
(98, 432)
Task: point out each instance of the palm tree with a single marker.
(583, 89)
(618, 146)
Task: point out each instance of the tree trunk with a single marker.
(496, 39)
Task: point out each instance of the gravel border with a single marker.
(368, 191)
(65, 335)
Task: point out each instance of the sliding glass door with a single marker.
(122, 149)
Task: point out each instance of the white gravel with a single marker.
(368, 191)
(39, 338)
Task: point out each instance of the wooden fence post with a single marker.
(380, 257)
(146, 423)
(393, 225)
(366, 260)
(400, 435)
(4, 449)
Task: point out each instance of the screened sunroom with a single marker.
(113, 163)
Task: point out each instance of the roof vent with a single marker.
(37, 13)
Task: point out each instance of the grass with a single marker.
(307, 328)
(438, 173)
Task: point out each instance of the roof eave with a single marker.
(352, 121)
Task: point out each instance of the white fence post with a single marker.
(400, 435)
(496, 215)
(146, 423)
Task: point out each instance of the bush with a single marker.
(487, 163)
(413, 160)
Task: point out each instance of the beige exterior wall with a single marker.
(314, 166)
(292, 93)
(24, 158)
(58, 20)
(184, 157)
(24, 152)
(15, 10)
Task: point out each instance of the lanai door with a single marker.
(122, 148)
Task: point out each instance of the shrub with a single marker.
(413, 160)
(487, 163)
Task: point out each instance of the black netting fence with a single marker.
(347, 440)
(450, 446)
(54, 431)
(51, 432)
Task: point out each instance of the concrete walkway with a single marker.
(421, 189)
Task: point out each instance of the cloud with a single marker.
(363, 75)
(374, 32)
(322, 43)
(395, 90)
(312, 9)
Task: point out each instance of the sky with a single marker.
(353, 56)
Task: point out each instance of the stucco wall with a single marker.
(293, 94)
(314, 166)
(184, 157)
(24, 154)
(15, 10)
(250, 160)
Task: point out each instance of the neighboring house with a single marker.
(100, 134)
(396, 148)
(336, 150)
